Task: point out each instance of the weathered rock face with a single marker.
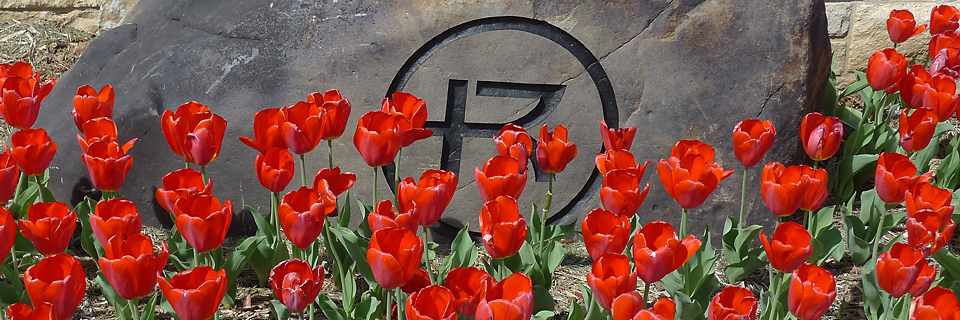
(676, 69)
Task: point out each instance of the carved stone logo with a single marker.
(454, 128)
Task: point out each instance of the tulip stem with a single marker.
(426, 258)
(646, 293)
(396, 175)
(310, 311)
(876, 241)
(775, 299)
(743, 196)
(375, 178)
(43, 198)
(275, 204)
(196, 258)
(133, 309)
(683, 223)
(303, 171)
(203, 173)
(543, 218)
(887, 310)
(389, 295)
(329, 154)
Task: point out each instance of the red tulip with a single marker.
(629, 306)
(928, 232)
(49, 225)
(884, 70)
(923, 195)
(751, 140)
(8, 232)
(937, 93)
(377, 138)
(100, 129)
(21, 97)
(266, 131)
(502, 228)
(610, 277)
(88, 104)
(947, 63)
(500, 310)
(57, 280)
(468, 286)
(337, 181)
(690, 179)
(411, 113)
(621, 193)
(944, 18)
(812, 291)
(937, 304)
(899, 268)
(431, 303)
(684, 148)
(302, 213)
(22, 311)
(303, 124)
(195, 294)
(554, 152)
(821, 135)
(131, 266)
(901, 26)
(733, 303)
(513, 141)
(275, 169)
(895, 175)
(430, 195)
(657, 251)
(115, 217)
(295, 284)
(108, 164)
(605, 232)
(914, 86)
(194, 132)
(203, 221)
(501, 176)
(9, 177)
(394, 255)
(386, 216)
(617, 139)
(942, 41)
(335, 113)
(783, 188)
(32, 150)
(789, 248)
(617, 159)
(180, 184)
(816, 192)
(516, 289)
(419, 280)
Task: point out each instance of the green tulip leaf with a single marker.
(278, 310)
(367, 309)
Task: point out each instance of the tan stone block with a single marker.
(838, 19)
(869, 32)
(839, 48)
(85, 20)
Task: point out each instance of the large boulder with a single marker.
(675, 69)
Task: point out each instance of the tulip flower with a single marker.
(620, 192)
(895, 175)
(266, 131)
(194, 132)
(88, 104)
(394, 255)
(100, 129)
(657, 251)
(302, 213)
(295, 284)
(203, 221)
(902, 26)
(500, 310)
(32, 150)
(419, 280)
(180, 184)
(617, 159)
(502, 228)
(303, 124)
(411, 113)
(942, 41)
(941, 96)
(57, 280)
(115, 217)
(629, 306)
(617, 139)
(501, 176)
(195, 294)
(554, 152)
(946, 62)
(884, 70)
(789, 248)
(914, 86)
(108, 164)
(812, 291)
(431, 303)
(8, 232)
(377, 138)
(610, 277)
(513, 141)
(275, 169)
(335, 112)
(386, 216)
(131, 266)
(783, 188)
(9, 177)
(516, 289)
(684, 148)
(690, 179)
(22, 311)
(468, 286)
(751, 140)
(937, 304)
(923, 195)
(928, 232)
(821, 136)
(430, 195)
(20, 98)
(733, 303)
(816, 192)
(49, 225)
(605, 232)
(337, 181)
(898, 270)
(944, 18)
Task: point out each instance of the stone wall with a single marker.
(858, 28)
(93, 16)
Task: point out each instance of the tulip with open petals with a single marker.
(902, 26)
(266, 131)
(617, 159)
(394, 255)
(928, 232)
(617, 139)
(516, 288)
(610, 277)
(689, 180)
(194, 132)
(554, 151)
(789, 248)
(32, 150)
(431, 303)
(501, 176)
(629, 306)
(620, 191)
(58, 280)
(339, 182)
(884, 70)
(937, 304)
(295, 284)
(49, 225)
(275, 169)
(108, 164)
(944, 18)
(203, 221)
(180, 184)
(419, 280)
(605, 232)
(377, 138)
(468, 286)
(821, 136)
(782, 188)
(22, 311)
(335, 112)
(131, 266)
(895, 175)
(503, 230)
(115, 217)
(386, 216)
(411, 115)
(195, 294)
(899, 269)
(89, 104)
(733, 303)
(751, 140)
(940, 41)
(514, 141)
(924, 195)
(302, 213)
(20, 96)
(657, 251)
(430, 195)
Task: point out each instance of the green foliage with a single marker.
(742, 260)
